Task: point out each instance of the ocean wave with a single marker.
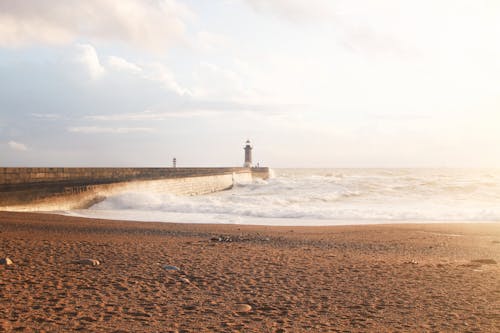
(385, 195)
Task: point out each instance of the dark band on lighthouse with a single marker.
(248, 155)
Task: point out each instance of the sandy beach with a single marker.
(230, 278)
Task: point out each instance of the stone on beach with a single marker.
(185, 280)
(90, 262)
(322, 279)
(6, 261)
(411, 262)
(171, 268)
(222, 238)
(242, 308)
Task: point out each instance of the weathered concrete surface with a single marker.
(46, 189)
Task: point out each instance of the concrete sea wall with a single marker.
(47, 189)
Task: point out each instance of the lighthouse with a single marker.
(248, 155)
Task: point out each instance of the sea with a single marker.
(314, 197)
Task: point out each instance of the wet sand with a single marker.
(382, 278)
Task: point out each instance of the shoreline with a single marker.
(282, 222)
(407, 277)
(269, 227)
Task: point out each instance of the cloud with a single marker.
(295, 10)
(204, 109)
(121, 64)
(153, 24)
(360, 26)
(51, 116)
(152, 72)
(161, 73)
(150, 115)
(17, 146)
(89, 58)
(156, 72)
(109, 130)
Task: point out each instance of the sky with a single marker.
(312, 83)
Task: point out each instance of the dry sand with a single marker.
(321, 279)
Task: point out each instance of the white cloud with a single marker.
(296, 10)
(150, 115)
(151, 71)
(89, 58)
(150, 24)
(356, 24)
(121, 64)
(161, 73)
(17, 146)
(16, 31)
(109, 130)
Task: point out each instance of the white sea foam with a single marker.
(325, 197)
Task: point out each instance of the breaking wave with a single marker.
(325, 196)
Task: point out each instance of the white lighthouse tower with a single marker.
(248, 155)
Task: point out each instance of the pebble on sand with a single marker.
(90, 262)
(242, 308)
(5, 261)
(171, 268)
(185, 280)
(222, 238)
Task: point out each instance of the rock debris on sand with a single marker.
(242, 308)
(89, 262)
(171, 268)
(222, 238)
(324, 279)
(185, 280)
(6, 261)
(411, 262)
